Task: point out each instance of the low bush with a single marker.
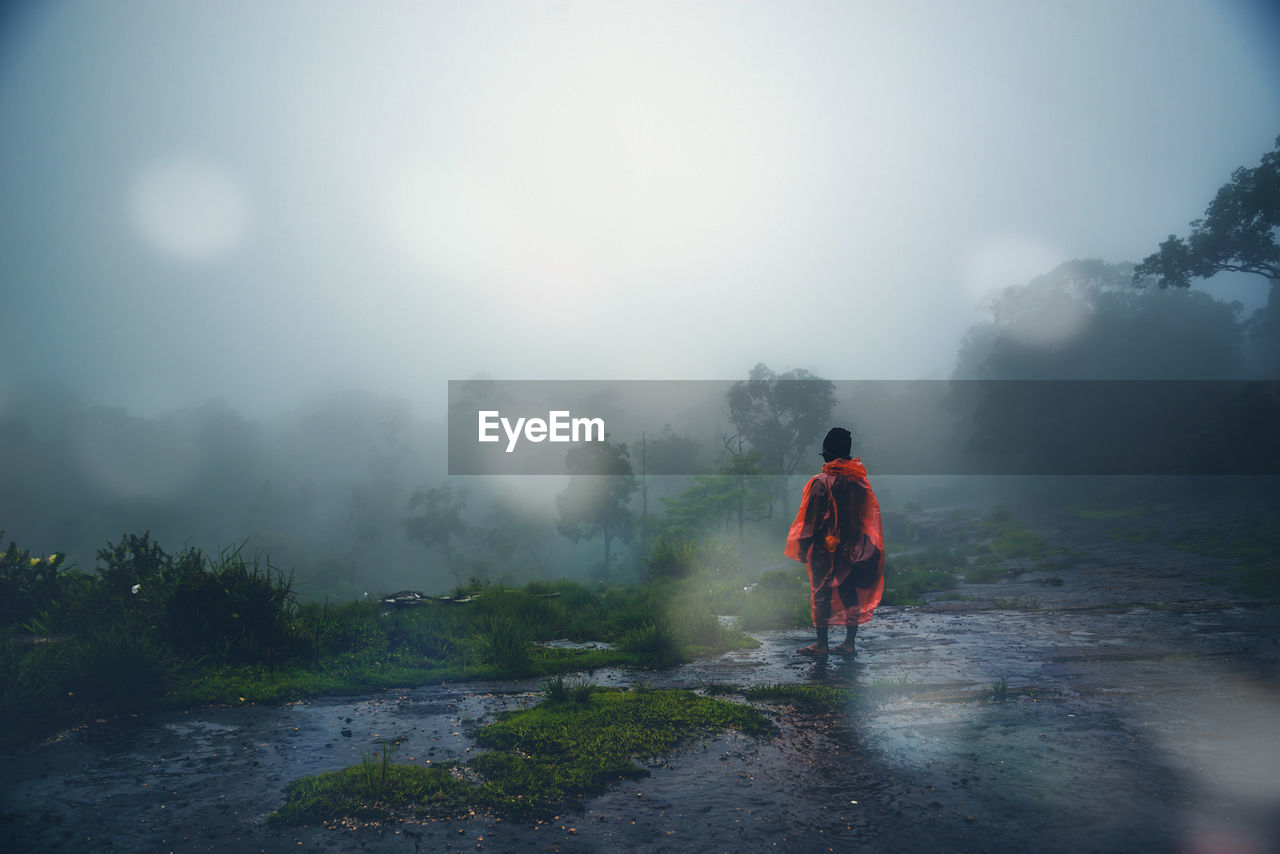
(28, 585)
(231, 611)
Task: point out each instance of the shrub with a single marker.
(28, 585)
(138, 561)
(234, 611)
(671, 558)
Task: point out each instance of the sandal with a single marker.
(817, 653)
(843, 649)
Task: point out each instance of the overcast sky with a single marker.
(256, 201)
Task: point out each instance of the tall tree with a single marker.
(595, 503)
(783, 417)
(668, 453)
(438, 524)
(715, 502)
(517, 538)
(1084, 321)
(1238, 232)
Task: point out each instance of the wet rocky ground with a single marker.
(1128, 705)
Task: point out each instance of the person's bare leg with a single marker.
(820, 600)
(820, 646)
(846, 648)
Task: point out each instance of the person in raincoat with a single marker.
(838, 536)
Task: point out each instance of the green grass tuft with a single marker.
(653, 641)
(997, 691)
(814, 698)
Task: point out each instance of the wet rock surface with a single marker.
(1132, 707)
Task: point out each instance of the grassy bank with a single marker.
(153, 630)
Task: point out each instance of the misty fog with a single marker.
(246, 246)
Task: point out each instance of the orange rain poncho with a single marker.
(851, 577)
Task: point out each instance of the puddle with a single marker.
(565, 643)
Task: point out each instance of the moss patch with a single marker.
(541, 760)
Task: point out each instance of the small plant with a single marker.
(558, 689)
(555, 688)
(998, 691)
(376, 765)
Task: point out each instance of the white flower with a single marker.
(135, 588)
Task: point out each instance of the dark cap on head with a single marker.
(838, 443)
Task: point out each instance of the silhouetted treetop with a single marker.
(1238, 232)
